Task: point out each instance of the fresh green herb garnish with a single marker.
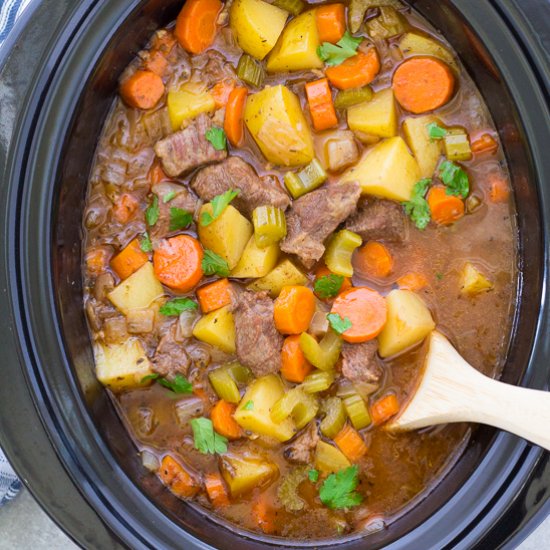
(454, 178)
(168, 197)
(418, 208)
(338, 324)
(153, 376)
(176, 306)
(152, 212)
(179, 384)
(336, 54)
(435, 131)
(216, 136)
(145, 243)
(249, 406)
(313, 476)
(213, 264)
(219, 204)
(179, 218)
(439, 276)
(328, 286)
(207, 441)
(338, 490)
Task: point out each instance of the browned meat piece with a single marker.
(379, 220)
(187, 149)
(313, 217)
(360, 362)
(301, 448)
(183, 199)
(170, 357)
(257, 340)
(212, 67)
(235, 173)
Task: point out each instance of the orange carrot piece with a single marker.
(156, 63)
(177, 479)
(125, 207)
(331, 22)
(355, 71)
(264, 514)
(295, 367)
(324, 271)
(294, 309)
(97, 260)
(374, 260)
(221, 91)
(156, 173)
(214, 295)
(196, 24)
(499, 192)
(423, 84)
(367, 311)
(384, 408)
(412, 281)
(350, 442)
(445, 209)
(216, 490)
(485, 143)
(177, 262)
(129, 260)
(142, 90)
(321, 106)
(223, 421)
(233, 124)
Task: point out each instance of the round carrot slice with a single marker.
(445, 209)
(367, 311)
(177, 262)
(374, 260)
(356, 71)
(196, 24)
(142, 90)
(423, 84)
(293, 309)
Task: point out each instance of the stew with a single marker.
(286, 200)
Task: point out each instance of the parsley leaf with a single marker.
(439, 276)
(219, 204)
(179, 384)
(207, 441)
(328, 286)
(435, 131)
(179, 218)
(313, 476)
(176, 306)
(249, 406)
(212, 264)
(216, 136)
(338, 324)
(152, 212)
(418, 208)
(454, 178)
(336, 54)
(153, 376)
(338, 490)
(145, 243)
(168, 197)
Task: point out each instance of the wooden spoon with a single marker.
(451, 390)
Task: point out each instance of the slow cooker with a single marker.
(58, 77)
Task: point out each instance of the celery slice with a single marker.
(295, 7)
(457, 145)
(335, 417)
(239, 373)
(301, 406)
(317, 382)
(348, 98)
(389, 23)
(357, 411)
(324, 354)
(250, 71)
(306, 180)
(329, 459)
(340, 250)
(269, 225)
(224, 385)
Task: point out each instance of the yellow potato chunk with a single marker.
(264, 392)
(244, 473)
(217, 328)
(122, 366)
(472, 281)
(426, 151)
(256, 25)
(409, 322)
(387, 170)
(227, 235)
(296, 50)
(376, 117)
(187, 103)
(256, 262)
(138, 291)
(416, 44)
(275, 119)
(286, 273)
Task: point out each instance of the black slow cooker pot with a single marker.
(58, 427)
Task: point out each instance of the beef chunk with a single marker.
(360, 362)
(301, 448)
(212, 67)
(257, 340)
(170, 357)
(315, 216)
(379, 220)
(188, 149)
(235, 173)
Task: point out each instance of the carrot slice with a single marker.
(445, 209)
(125, 207)
(156, 173)
(223, 421)
(214, 295)
(156, 63)
(233, 124)
(295, 367)
(355, 71)
(97, 260)
(264, 514)
(367, 311)
(142, 90)
(321, 106)
(177, 262)
(423, 84)
(412, 281)
(350, 443)
(331, 22)
(294, 309)
(177, 479)
(485, 143)
(374, 260)
(216, 490)
(324, 271)
(221, 91)
(196, 24)
(384, 408)
(129, 260)
(499, 192)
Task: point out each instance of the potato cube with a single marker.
(286, 273)
(217, 328)
(187, 103)
(256, 262)
(244, 473)
(426, 151)
(329, 459)
(472, 281)
(376, 117)
(416, 44)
